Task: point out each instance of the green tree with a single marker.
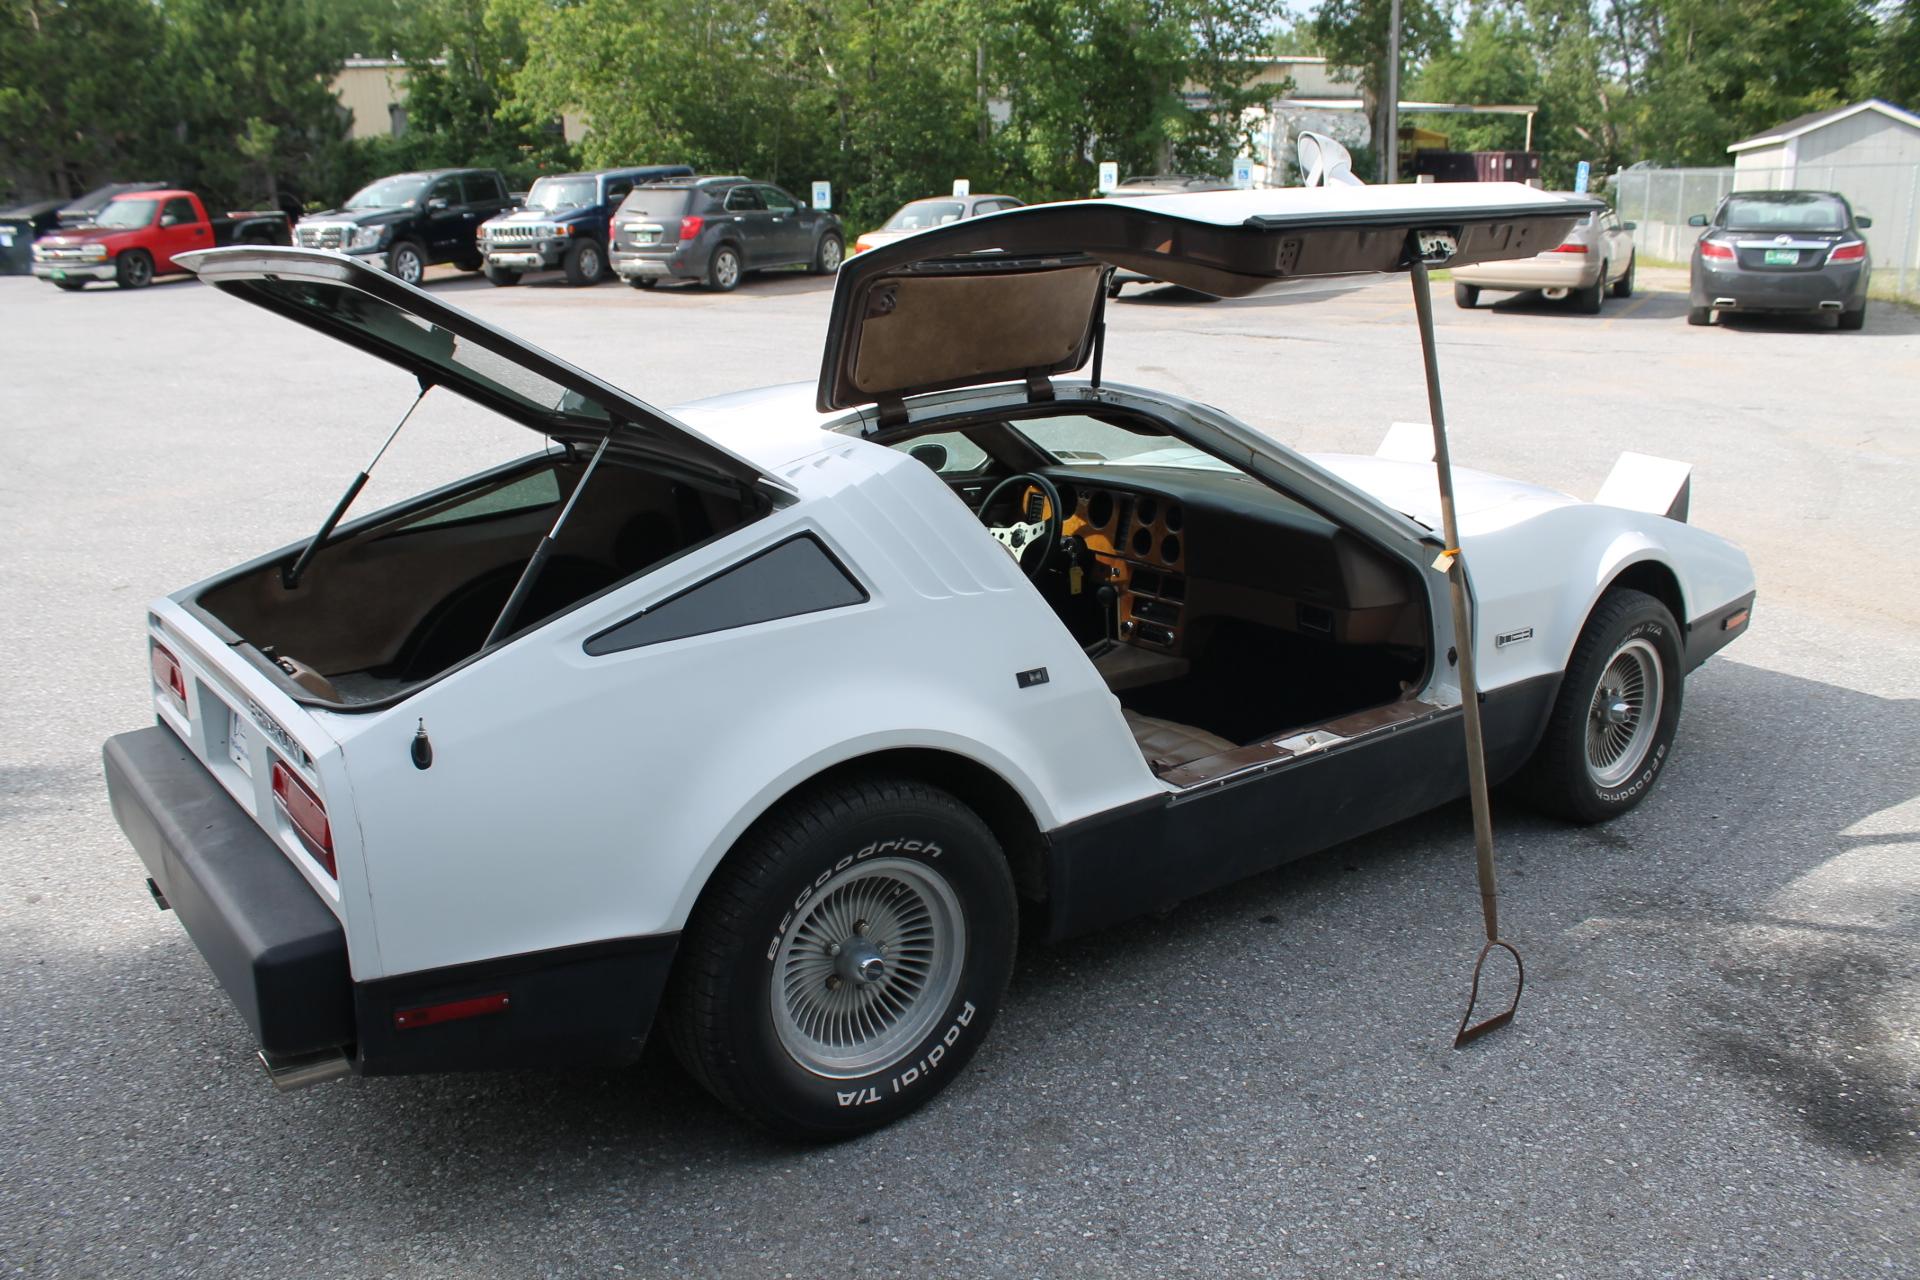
(1352, 35)
(1891, 66)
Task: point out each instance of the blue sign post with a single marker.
(1580, 173)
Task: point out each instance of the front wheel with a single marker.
(1623, 287)
(133, 269)
(827, 258)
(847, 959)
(1614, 720)
(407, 261)
(585, 263)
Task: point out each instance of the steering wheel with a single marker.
(1029, 542)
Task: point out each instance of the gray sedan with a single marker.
(1594, 261)
(1792, 252)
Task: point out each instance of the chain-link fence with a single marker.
(1661, 200)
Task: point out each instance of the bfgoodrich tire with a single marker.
(847, 959)
(1613, 723)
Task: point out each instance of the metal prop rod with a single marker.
(290, 576)
(1463, 648)
(531, 574)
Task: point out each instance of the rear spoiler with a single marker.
(1638, 481)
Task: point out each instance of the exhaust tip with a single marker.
(308, 1069)
(1553, 294)
(1725, 302)
(1831, 306)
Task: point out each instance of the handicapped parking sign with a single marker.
(823, 195)
(1243, 173)
(1580, 172)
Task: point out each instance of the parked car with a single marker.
(1786, 252)
(1161, 184)
(82, 211)
(715, 230)
(20, 225)
(137, 237)
(410, 221)
(564, 222)
(771, 714)
(935, 211)
(1595, 261)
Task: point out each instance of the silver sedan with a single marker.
(1593, 262)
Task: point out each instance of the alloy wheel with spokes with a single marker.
(1624, 713)
(869, 967)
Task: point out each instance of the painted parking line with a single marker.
(1628, 310)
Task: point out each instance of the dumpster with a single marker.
(20, 226)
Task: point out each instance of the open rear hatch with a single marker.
(1018, 295)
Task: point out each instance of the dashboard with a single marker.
(1181, 545)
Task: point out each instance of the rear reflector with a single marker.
(453, 1011)
(1569, 247)
(1715, 250)
(1736, 619)
(1855, 252)
(305, 814)
(168, 675)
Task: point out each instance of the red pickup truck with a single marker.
(137, 235)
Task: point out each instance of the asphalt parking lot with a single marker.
(1715, 1073)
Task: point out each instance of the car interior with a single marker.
(1225, 616)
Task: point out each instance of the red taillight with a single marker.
(1854, 252)
(1568, 247)
(168, 675)
(690, 226)
(1717, 251)
(305, 814)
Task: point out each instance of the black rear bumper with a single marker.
(273, 944)
(281, 953)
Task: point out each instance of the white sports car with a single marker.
(766, 718)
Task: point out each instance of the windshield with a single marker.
(922, 214)
(402, 192)
(1081, 441)
(555, 194)
(1795, 211)
(127, 213)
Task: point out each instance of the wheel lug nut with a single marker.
(860, 927)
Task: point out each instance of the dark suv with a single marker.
(411, 219)
(564, 223)
(717, 229)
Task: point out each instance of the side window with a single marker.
(617, 189)
(777, 200)
(480, 187)
(949, 453)
(447, 189)
(177, 213)
(796, 577)
(743, 199)
(541, 489)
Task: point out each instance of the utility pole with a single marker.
(1392, 149)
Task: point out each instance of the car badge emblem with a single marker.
(1783, 239)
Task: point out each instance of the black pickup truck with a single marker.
(411, 220)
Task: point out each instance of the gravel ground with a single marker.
(1716, 1071)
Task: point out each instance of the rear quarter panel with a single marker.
(574, 798)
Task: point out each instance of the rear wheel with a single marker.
(407, 261)
(1614, 720)
(585, 263)
(847, 959)
(1853, 321)
(723, 272)
(500, 275)
(1587, 300)
(1466, 296)
(1699, 315)
(1623, 287)
(133, 269)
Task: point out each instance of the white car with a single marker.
(771, 715)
